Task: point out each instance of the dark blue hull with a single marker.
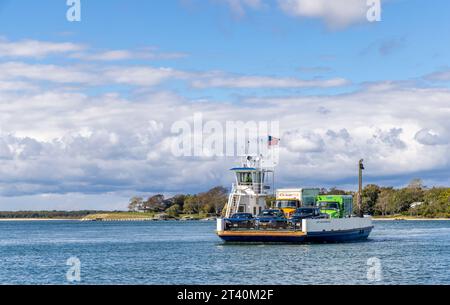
(264, 239)
(340, 236)
(317, 237)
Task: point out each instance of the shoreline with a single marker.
(36, 219)
(200, 219)
(408, 219)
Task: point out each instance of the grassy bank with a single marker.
(119, 216)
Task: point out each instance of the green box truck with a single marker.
(337, 206)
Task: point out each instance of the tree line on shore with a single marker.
(210, 202)
(414, 200)
(47, 214)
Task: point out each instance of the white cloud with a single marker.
(108, 55)
(144, 76)
(17, 75)
(35, 48)
(45, 72)
(430, 137)
(64, 142)
(16, 85)
(39, 49)
(306, 142)
(141, 76)
(390, 137)
(87, 75)
(442, 76)
(118, 55)
(265, 82)
(56, 139)
(336, 13)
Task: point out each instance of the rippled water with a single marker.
(190, 253)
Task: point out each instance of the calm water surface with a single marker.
(190, 253)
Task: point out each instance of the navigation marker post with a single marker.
(360, 187)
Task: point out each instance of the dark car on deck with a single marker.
(271, 218)
(240, 220)
(306, 213)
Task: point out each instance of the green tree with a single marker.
(174, 210)
(191, 205)
(436, 203)
(214, 200)
(384, 204)
(377, 200)
(179, 199)
(335, 191)
(154, 203)
(405, 197)
(370, 195)
(416, 183)
(135, 204)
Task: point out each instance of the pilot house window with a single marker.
(245, 177)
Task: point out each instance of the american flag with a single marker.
(273, 141)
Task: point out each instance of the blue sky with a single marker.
(86, 106)
(264, 41)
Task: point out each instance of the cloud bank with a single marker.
(60, 134)
(336, 14)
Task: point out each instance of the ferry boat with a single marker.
(242, 220)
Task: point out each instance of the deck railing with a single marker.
(258, 188)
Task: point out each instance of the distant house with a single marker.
(164, 205)
(415, 205)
